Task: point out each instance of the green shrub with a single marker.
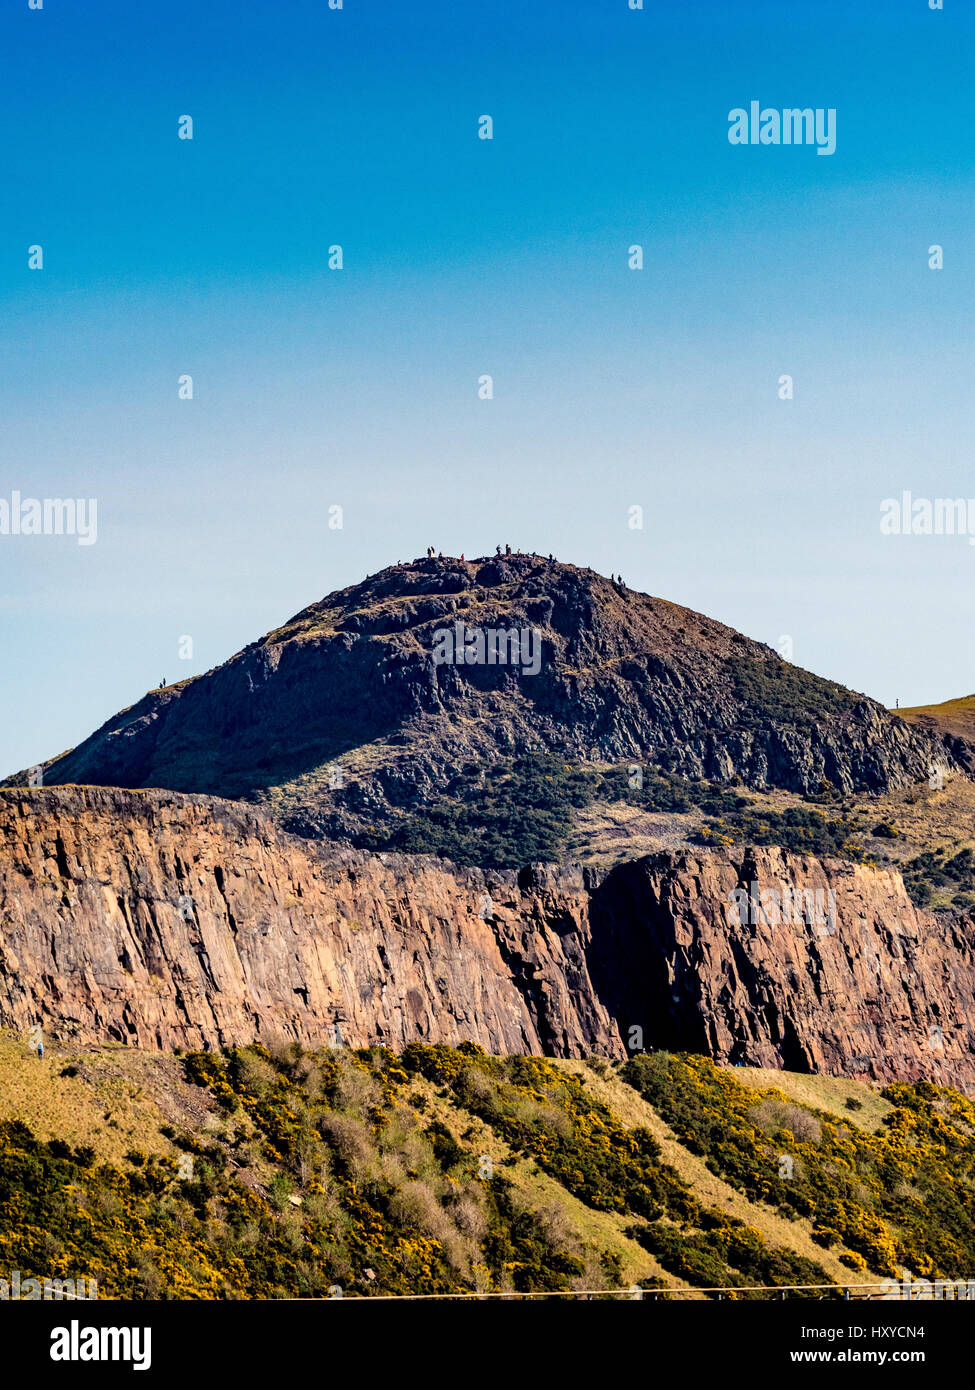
(901, 1197)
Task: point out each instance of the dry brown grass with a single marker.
(951, 717)
(118, 1101)
(827, 1093)
(926, 819)
(609, 832)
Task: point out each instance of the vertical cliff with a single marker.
(782, 960)
(179, 921)
(182, 921)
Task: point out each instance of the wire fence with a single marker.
(915, 1291)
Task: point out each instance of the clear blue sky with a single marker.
(359, 387)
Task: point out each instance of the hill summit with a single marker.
(369, 703)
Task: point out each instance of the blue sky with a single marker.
(358, 387)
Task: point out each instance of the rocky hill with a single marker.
(168, 921)
(354, 715)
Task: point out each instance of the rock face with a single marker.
(178, 921)
(174, 921)
(854, 981)
(342, 719)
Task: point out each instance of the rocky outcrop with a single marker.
(774, 959)
(170, 921)
(346, 710)
(179, 921)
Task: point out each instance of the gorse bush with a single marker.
(902, 1198)
(145, 1232)
(364, 1172)
(414, 1174)
(950, 877)
(504, 816)
(398, 1195)
(806, 830)
(728, 1253)
(295, 1197)
(542, 1111)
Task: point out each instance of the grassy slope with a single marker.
(951, 717)
(829, 1093)
(604, 1229)
(118, 1100)
(633, 1110)
(570, 1221)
